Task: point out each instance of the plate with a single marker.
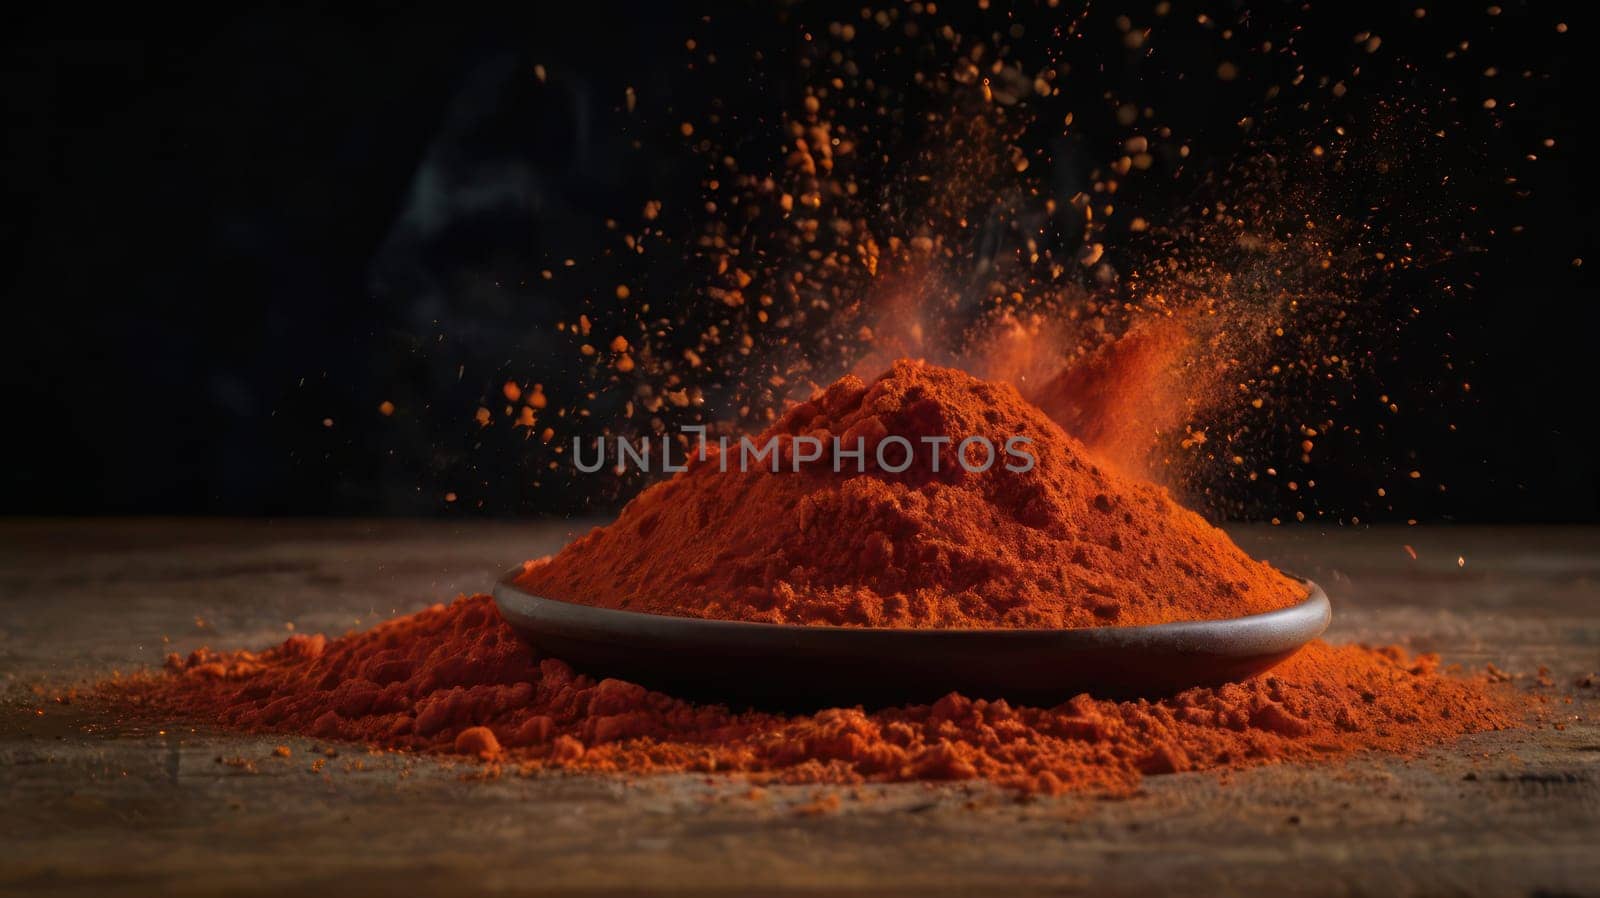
(795, 667)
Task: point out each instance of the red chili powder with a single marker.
(1065, 544)
(1069, 543)
(458, 679)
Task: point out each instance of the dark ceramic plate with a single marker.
(786, 666)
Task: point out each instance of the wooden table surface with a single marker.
(92, 809)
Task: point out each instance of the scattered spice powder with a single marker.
(458, 679)
(1069, 543)
(1066, 544)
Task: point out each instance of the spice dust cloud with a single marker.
(972, 188)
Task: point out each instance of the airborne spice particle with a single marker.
(997, 188)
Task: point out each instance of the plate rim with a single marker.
(1265, 632)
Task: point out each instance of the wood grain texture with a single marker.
(93, 808)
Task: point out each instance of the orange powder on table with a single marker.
(1067, 543)
(458, 679)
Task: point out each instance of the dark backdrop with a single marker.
(223, 227)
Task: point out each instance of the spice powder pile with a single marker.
(1066, 544)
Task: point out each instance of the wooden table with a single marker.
(91, 809)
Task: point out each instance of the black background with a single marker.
(222, 227)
